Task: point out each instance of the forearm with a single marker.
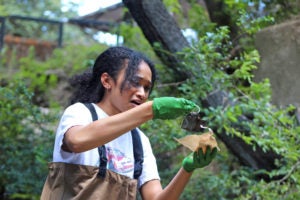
(83, 138)
(152, 190)
(174, 189)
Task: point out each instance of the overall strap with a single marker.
(138, 152)
(101, 150)
(92, 110)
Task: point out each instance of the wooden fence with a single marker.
(20, 46)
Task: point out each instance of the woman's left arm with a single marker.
(152, 190)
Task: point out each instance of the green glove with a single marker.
(171, 107)
(198, 159)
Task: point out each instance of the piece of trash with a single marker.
(194, 142)
(193, 122)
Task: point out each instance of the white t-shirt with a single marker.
(119, 151)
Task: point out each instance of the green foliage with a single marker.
(270, 128)
(40, 76)
(133, 37)
(213, 68)
(273, 129)
(27, 129)
(26, 142)
(198, 19)
(250, 25)
(278, 9)
(33, 8)
(43, 9)
(173, 6)
(27, 132)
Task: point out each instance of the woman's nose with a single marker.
(141, 93)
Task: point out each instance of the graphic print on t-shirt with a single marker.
(118, 162)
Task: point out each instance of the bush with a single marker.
(26, 143)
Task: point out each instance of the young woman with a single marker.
(99, 153)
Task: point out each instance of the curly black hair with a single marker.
(88, 87)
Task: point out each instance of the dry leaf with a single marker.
(194, 142)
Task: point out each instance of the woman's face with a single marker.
(133, 94)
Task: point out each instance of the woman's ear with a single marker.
(106, 80)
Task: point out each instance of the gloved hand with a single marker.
(198, 159)
(171, 107)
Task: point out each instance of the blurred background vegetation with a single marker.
(35, 91)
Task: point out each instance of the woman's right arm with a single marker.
(83, 138)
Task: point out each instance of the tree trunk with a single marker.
(217, 15)
(159, 27)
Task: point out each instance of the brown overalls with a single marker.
(69, 181)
